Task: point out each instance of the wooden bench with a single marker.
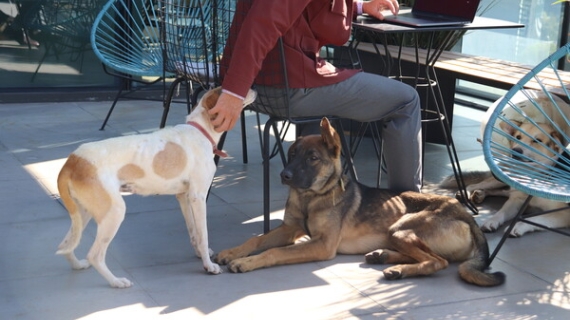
(483, 70)
(452, 66)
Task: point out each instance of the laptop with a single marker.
(435, 13)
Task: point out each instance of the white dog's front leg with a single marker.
(194, 211)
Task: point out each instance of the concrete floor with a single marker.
(152, 247)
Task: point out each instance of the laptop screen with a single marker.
(465, 9)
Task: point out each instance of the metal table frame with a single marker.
(371, 26)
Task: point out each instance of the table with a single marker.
(447, 35)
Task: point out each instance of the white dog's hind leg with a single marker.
(194, 210)
(72, 238)
(106, 230)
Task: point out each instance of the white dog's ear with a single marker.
(250, 98)
(508, 128)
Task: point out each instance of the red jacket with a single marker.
(251, 55)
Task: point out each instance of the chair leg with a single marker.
(220, 147)
(508, 230)
(379, 148)
(46, 52)
(346, 150)
(168, 100)
(111, 109)
(243, 138)
(266, 172)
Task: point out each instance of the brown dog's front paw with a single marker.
(240, 265)
(392, 274)
(224, 257)
(376, 257)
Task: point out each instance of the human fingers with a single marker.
(391, 5)
(224, 114)
(374, 8)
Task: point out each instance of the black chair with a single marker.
(193, 35)
(272, 102)
(275, 104)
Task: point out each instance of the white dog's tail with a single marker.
(469, 178)
(71, 240)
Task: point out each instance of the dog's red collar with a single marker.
(217, 151)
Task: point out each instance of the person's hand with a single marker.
(374, 8)
(226, 112)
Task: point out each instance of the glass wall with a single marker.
(540, 37)
(45, 44)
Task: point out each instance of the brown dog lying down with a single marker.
(420, 233)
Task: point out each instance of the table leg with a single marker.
(435, 92)
(431, 58)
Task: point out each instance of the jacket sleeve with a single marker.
(266, 21)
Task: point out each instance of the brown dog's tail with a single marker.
(473, 270)
(71, 240)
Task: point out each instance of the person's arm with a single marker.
(266, 21)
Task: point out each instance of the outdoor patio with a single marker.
(153, 249)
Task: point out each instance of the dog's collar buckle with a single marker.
(217, 151)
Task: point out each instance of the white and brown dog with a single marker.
(479, 185)
(176, 160)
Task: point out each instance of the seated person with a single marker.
(317, 87)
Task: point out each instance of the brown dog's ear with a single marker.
(330, 137)
(211, 97)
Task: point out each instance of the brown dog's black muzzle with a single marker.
(287, 176)
(296, 177)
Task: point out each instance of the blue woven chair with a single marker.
(188, 43)
(539, 167)
(125, 36)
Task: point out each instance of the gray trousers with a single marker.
(367, 97)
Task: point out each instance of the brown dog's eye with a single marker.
(518, 137)
(539, 140)
(313, 158)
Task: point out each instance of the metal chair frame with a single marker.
(125, 37)
(273, 124)
(526, 172)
